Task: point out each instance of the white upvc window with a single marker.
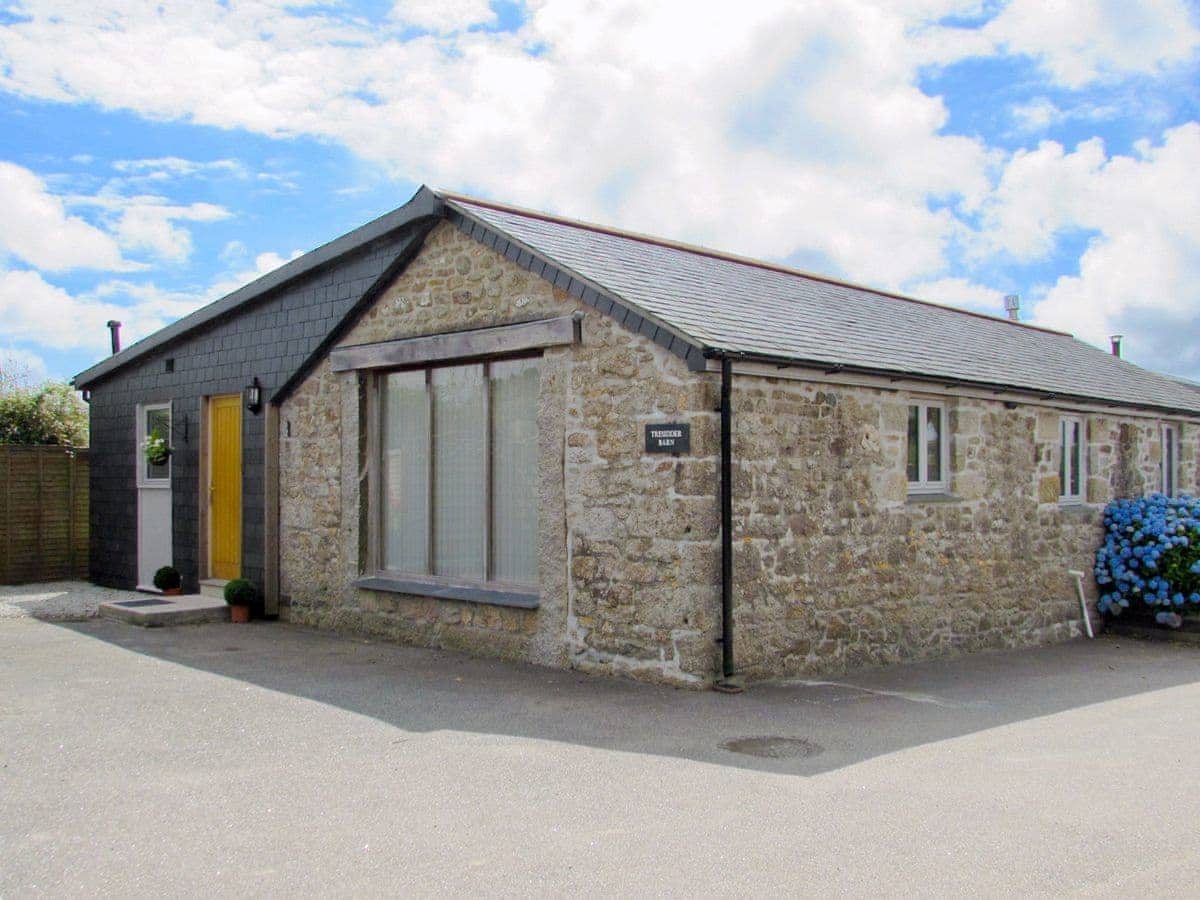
(928, 449)
(458, 472)
(1170, 460)
(1072, 459)
(154, 420)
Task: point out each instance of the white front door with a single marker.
(154, 495)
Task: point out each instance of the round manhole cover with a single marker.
(773, 747)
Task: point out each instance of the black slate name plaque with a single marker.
(669, 437)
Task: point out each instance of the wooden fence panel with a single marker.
(43, 513)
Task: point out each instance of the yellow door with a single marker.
(225, 486)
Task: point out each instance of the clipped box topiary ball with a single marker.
(241, 592)
(167, 578)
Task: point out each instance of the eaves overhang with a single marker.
(827, 369)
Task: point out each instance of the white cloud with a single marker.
(166, 167)
(147, 223)
(37, 228)
(960, 292)
(34, 311)
(263, 263)
(1037, 114)
(638, 118)
(1143, 262)
(443, 16)
(786, 129)
(1087, 40)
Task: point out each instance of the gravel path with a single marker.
(58, 600)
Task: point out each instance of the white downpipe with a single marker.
(1087, 623)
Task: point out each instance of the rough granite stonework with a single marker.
(627, 549)
(835, 565)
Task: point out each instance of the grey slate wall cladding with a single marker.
(268, 338)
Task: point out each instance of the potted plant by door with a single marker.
(169, 581)
(241, 595)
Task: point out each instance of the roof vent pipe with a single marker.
(114, 330)
(1012, 305)
(1116, 343)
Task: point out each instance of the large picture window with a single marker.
(927, 448)
(458, 473)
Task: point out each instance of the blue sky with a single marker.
(154, 157)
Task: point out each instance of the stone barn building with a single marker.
(496, 430)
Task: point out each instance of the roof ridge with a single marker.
(733, 257)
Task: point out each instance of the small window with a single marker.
(156, 424)
(1072, 447)
(1170, 460)
(927, 448)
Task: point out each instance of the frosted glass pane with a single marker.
(514, 470)
(460, 466)
(405, 473)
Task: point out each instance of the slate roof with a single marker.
(729, 305)
(702, 303)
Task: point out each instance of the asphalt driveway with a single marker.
(269, 760)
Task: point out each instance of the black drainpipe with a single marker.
(728, 682)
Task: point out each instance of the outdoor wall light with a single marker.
(253, 396)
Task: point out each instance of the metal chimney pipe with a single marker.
(114, 330)
(1012, 305)
(1116, 343)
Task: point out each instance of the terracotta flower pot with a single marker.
(239, 614)
(173, 592)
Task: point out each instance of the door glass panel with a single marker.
(157, 423)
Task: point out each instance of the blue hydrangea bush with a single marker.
(1150, 558)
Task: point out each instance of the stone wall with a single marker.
(837, 567)
(627, 549)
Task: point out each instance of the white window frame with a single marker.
(1067, 445)
(1170, 459)
(923, 485)
(144, 480)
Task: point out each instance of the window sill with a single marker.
(932, 497)
(1077, 504)
(441, 590)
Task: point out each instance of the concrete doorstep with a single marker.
(153, 611)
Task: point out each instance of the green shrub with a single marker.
(167, 578)
(51, 414)
(241, 592)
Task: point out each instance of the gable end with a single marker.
(581, 289)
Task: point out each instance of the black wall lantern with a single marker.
(253, 396)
